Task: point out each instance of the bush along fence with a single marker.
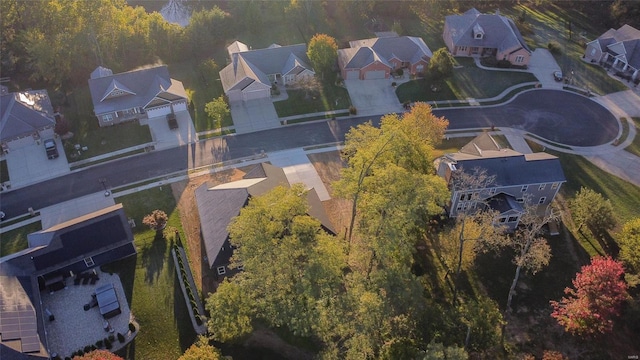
(188, 286)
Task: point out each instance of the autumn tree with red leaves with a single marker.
(599, 291)
(98, 355)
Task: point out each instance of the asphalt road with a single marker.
(557, 116)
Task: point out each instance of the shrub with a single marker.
(394, 84)
(112, 338)
(107, 344)
(353, 110)
(87, 348)
(157, 220)
(57, 357)
(554, 47)
(120, 338)
(198, 320)
(132, 327)
(99, 343)
(504, 64)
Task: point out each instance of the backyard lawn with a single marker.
(469, 81)
(150, 282)
(330, 97)
(16, 240)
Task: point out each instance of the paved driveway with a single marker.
(542, 64)
(623, 103)
(254, 115)
(29, 165)
(166, 138)
(373, 97)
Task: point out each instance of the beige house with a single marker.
(617, 49)
(474, 34)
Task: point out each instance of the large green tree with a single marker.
(201, 350)
(629, 242)
(593, 210)
(322, 52)
(441, 64)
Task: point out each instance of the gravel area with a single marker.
(73, 327)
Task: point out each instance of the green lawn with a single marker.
(150, 282)
(634, 148)
(549, 23)
(15, 240)
(98, 140)
(468, 81)
(330, 97)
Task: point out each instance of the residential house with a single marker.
(376, 58)
(218, 205)
(252, 73)
(482, 35)
(53, 255)
(618, 49)
(138, 94)
(532, 178)
(26, 118)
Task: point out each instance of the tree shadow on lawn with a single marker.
(154, 256)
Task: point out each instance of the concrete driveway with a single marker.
(542, 64)
(622, 104)
(165, 138)
(254, 115)
(29, 165)
(373, 97)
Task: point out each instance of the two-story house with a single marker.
(617, 48)
(218, 205)
(519, 178)
(138, 94)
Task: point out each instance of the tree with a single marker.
(62, 127)
(201, 350)
(592, 209)
(217, 109)
(437, 351)
(157, 220)
(441, 64)
(322, 52)
(98, 355)
(595, 299)
(629, 242)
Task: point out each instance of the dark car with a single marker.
(51, 148)
(557, 75)
(172, 121)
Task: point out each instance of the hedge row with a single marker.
(187, 285)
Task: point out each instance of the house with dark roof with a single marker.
(53, 255)
(252, 73)
(218, 205)
(376, 58)
(474, 34)
(25, 118)
(618, 49)
(138, 94)
(519, 178)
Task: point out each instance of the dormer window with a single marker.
(478, 32)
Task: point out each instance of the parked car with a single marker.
(172, 121)
(557, 75)
(51, 148)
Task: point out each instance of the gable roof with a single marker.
(218, 205)
(499, 32)
(25, 113)
(137, 88)
(623, 43)
(364, 52)
(248, 66)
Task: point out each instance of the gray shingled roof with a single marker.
(518, 170)
(22, 114)
(624, 42)
(503, 202)
(499, 32)
(255, 65)
(405, 48)
(145, 83)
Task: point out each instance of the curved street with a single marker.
(558, 116)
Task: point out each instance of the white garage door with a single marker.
(257, 94)
(234, 95)
(353, 75)
(159, 111)
(181, 106)
(378, 74)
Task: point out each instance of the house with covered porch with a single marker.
(138, 94)
(618, 50)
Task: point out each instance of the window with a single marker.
(542, 200)
(462, 197)
(459, 207)
(502, 220)
(513, 219)
(462, 48)
(554, 186)
(479, 36)
(593, 52)
(541, 187)
(525, 188)
(519, 59)
(221, 270)
(520, 200)
(240, 267)
(89, 261)
(107, 117)
(419, 68)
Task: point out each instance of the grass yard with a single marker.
(99, 140)
(331, 97)
(16, 240)
(466, 82)
(150, 282)
(634, 148)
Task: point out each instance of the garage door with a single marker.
(378, 74)
(353, 75)
(181, 106)
(159, 111)
(257, 94)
